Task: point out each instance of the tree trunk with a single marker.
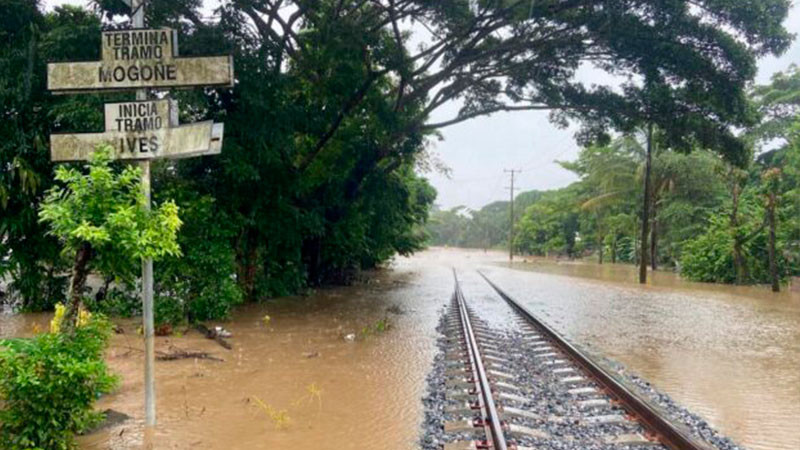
(654, 240)
(600, 249)
(246, 256)
(646, 206)
(773, 264)
(80, 271)
(614, 251)
(312, 258)
(738, 253)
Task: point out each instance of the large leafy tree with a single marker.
(609, 176)
(779, 104)
(29, 39)
(333, 100)
(550, 225)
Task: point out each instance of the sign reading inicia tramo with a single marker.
(140, 58)
(145, 129)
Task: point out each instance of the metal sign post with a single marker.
(147, 263)
(141, 59)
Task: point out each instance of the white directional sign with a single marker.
(141, 130)
(139, 58)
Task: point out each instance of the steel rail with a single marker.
(665, 431)
(490, 409)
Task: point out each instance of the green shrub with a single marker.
(123, 300)
(199, 285)
(709, 256)
(48, 386)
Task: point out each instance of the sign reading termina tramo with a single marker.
(140, 58)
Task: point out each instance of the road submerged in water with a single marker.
(345, 368)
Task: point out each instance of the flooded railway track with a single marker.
(535, 390)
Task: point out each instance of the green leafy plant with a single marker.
(102, 220)
(48, 385)
(380, 326)
(199, 285)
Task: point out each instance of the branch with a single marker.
(487, 111)
(274, 15)
(189, 14)
(267, 32)
(402, 56)
(755, 232)
(351, 103)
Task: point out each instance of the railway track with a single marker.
(535, 390)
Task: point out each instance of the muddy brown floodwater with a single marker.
(729, 354)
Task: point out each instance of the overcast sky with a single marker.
(478, 150)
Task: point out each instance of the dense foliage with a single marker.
(49, 384)
(106, 209)
(484, 228)
(28, 40)
(710, 220)
(103, 222)
(197, 285)
(327, 126)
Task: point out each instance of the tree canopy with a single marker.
(328, 124)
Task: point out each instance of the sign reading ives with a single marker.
(141, 130)
(140, 58)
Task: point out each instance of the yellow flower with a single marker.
(84, 317)
(58, 318)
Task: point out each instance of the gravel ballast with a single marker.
(554, 415)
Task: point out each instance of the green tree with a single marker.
(102, 220)
(689, 189)
(446, 227)
(550, 225)
(196, 285)
(28, 40)
(779, 105)
(771, 179)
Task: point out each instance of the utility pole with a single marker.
(646, 207)
(511, 215)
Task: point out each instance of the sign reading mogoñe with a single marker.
(141, 130)
(140, 58)
(134, 59)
